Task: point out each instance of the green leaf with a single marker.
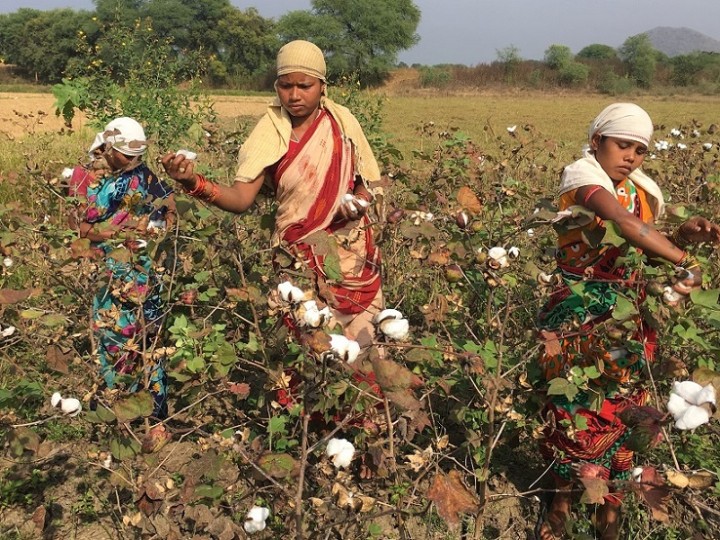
(101, 415)
(591, 372)
(708, 299)
(124, 448)
(52, 320)
(195, 364)
(208, 491)
(138, 405)
(31, 314)
(624, 309)
(277, 424)
(580, 422)
(612, 235)
(277, 465)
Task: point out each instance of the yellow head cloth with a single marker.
(303, 57)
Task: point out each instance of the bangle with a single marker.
(687, 261)
(363, 196)
(214, 192)
(199, 188)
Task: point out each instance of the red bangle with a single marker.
(590, 193)
(363, 196)
(199, 188)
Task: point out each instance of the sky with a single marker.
(471, 32)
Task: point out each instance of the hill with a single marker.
(678, 41)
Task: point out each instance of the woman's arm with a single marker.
(639, 234)
(236, 198)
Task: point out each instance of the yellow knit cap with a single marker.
(303, 57)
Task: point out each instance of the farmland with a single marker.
(496, 156)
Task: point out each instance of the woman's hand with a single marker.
(688, 280)
(352, 208)
(697, 230)
(180, 169)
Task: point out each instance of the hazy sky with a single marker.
(472, 31)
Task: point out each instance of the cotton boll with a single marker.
(7, 262)
(397, 329)
(66, 173)
(682, 146)
(387, 314)
(688, 390)
(514, 252)
(255, 520)
(8, 331)
(341, 452)
(55, 399)
(676, 405)
(692, 418)
(671, 297)
(498, 257)
(511, 129)
(530, 233)
(187, 154)
(353, 350)
(70, 406)
(706, 395)
(339, 345)
(637, 474)
(707, 146)
(284, 289)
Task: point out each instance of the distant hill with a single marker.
(677, 41)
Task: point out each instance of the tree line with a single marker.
(232, 46)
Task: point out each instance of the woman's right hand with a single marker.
(180, 169)
(689, 280)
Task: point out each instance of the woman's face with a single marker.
(300, 93)
(116, 160)
(618, 157)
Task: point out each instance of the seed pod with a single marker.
(462, 220)
(453, 273)
(396, 215)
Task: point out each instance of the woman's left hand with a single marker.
(697, 230)
(352, 208)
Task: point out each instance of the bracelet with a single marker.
(363, 196)
(214, 192)
(199, 188)
(687, 261)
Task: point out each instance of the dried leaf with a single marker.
(57, 358)
(137, 405)
(551, 343)
(241, 390)
(451, 497)
(13, 296)
(595, 490)
(652, 489)
(701, 480)
(278, 465)
(468, 200)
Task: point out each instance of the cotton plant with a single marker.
(341, 452)
(69, 406)
(255, 519)
(691, 404)
(392, 324)
(499, 257)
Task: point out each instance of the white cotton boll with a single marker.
(55, 399)
(397, 329)
(341, 452)
(693, 417)
(531, 233)
(7, 332)
(671, 296)
(7, 262)
(688, 390)
(387, 314)
(255, 520)
(675, 132)
(107, 461)
(511, 129)
(707, 146)
(284, 289)
(429, 216)
(545, 278)
(353, 350)
(637, 474)
(348, 197)
(695, 133)
(339, 345)
(681, 146)
(499, 256)
(70, 406)
(706, 395)
(514, 252)
(188, 154)
(66, 173)
(676, 405)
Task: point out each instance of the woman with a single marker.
(605, 185)
(320, 165)
(121, 204)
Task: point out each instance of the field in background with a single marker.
(561, 119)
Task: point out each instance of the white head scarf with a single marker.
(625, 121)
(124, 134)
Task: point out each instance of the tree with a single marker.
(358, 36)
(41, 42)
(597, 51)
(558, 56)
(640, 56)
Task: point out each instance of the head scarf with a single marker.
(124, 135)
(625, 121)
(303, 57)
